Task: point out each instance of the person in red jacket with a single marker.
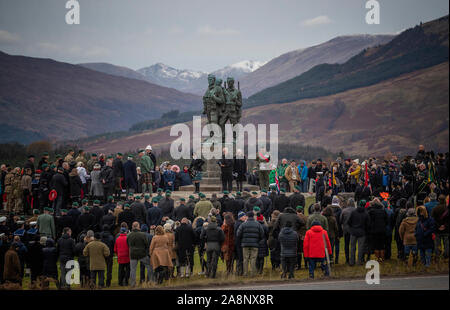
(123, 257)
(314, 248)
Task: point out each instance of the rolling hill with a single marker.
(394, 115)
(294, 63)
(113, 70)
(416, 48)
(43, 98)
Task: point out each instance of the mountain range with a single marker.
(415, 48)
(292, 64)
(43, 98)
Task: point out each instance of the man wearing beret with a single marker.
(147, 167)
(91, 162)
(202, 207)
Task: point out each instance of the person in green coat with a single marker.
(46, 224)
(316, 216)
(147, 167)
(281, 170)
(202, 207)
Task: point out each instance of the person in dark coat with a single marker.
(425, 229)
(34, 259)
(50, 259)
(250, 234)
(98, 214)
(86, 221)
(226, 169)
(154, 214)
(83, 261)
(377, 229)
(288, 215)
(60, 185)
(185, 241)
(182, 211)
(213, 236)
(238, 204)
(288, 239)
(63, 221)
(252, 202)
(266, 204)
(358, 224)
(130, 175)
(75, 185)
(110, 220)
(66, 251)
(281, 201)
(107, 179)
(239, 169)
(296, 199)
(185, 177)
(107, 238)
(30, 165)
(166, 205)
(139, 210)
(118, 171)
(126, 216)
(263, 249)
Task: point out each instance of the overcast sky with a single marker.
(193, 34)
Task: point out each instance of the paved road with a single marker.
(400, 283)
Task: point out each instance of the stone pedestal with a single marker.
(211, 181)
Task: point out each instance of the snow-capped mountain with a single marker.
(239, 69)
(195, 81)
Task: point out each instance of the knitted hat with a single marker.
(241, 214)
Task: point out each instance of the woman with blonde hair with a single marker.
(159, 254)
(173, 254)
(425, 230)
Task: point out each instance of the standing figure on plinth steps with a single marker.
(232, 107)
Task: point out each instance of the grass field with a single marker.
(391, 267)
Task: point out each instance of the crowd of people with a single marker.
(389, 200)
